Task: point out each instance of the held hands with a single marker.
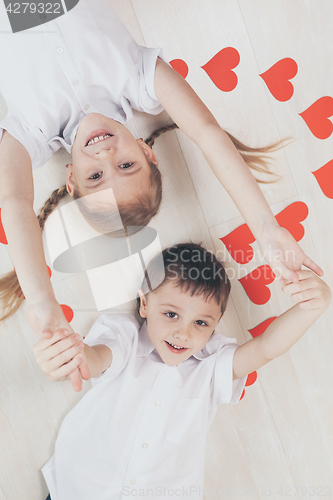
(59, 356)
(284, 255)
(310, 292)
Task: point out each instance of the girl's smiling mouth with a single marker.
(98, 136)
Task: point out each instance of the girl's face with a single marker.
(176, 318)
(116, 160)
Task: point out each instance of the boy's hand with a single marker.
(61, 355)
(310, 292)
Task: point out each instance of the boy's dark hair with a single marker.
(191, 268)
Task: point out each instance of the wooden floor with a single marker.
(278, 441)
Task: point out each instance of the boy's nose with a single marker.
(183, 333)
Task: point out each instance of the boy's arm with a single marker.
(197, 122)
(313, 297)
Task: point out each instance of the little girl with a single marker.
(72, 82)
(141, 430)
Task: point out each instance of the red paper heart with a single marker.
(255, 283)
(277, 79)
(243, 394)
(316, 117)
(68, 312)
(251, 378)
(324, 176)
(3, 238)
(258, 330)
(219, 69)
(238, 244)
(49, 271)
(180, 66)
(238, 241)
(291, 218)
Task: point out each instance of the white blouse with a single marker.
(83, 62)
(141, 429)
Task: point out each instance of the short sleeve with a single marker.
(224, 388)
(118, 332)
(148, 101)
(33, 140)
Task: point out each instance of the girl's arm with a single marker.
(313, 297)
(25, 242)
(196, 121)
(59, 356)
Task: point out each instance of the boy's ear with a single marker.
(70, 184)
(143, 304)
(147, 151)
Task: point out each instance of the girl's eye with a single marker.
(201, 323)
(172, 315)
(124, 166)
(95, 177)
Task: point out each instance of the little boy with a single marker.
(141, 429)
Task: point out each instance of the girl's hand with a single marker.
(60, 356)
(45, 317)
(284, 255)
(310, 292)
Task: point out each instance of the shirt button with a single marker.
(145, 445)
(75, 82)
(133, 481)
(158, 403)
(86, 107)
(60, 50)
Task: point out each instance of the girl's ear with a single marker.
(70, 184)
(147, 151)
(143, 304)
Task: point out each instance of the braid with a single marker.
(11, 294)
(150, 141)
(51, 204)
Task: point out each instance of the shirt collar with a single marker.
(145, 346)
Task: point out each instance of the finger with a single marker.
(64, 357)
(84, 370)
(313, 266)
(304, 296)
(47, 334)
(76, 380)
(44, 344)
(68, 368)
(63, 345)
(282, 271)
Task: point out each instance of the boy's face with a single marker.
(117, 161)
(176, 318)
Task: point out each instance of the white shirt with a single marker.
(143, 424)
(84, 61)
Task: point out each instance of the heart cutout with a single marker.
(251, 378)
(258, 330)
(22, 16)
(324, 176)
(291, 218)
(277, 79)
(238, 244)
(68, 312)
(238, 241)
(317, 117)
(255, 284)
(219, 69)
(180, 66)
(3, 238)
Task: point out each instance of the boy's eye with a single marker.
(95, 177)
(171, 315)
(201, 323)
(124, 166)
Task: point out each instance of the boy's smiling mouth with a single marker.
(174, 348)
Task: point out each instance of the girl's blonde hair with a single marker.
(134, 215)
